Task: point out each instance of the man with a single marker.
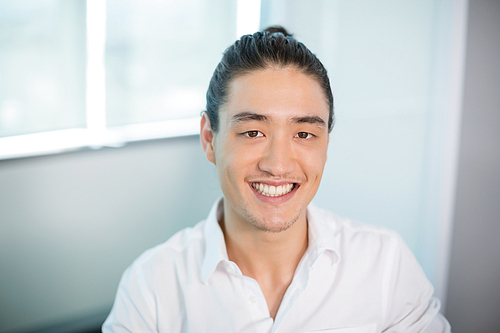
(265, 259)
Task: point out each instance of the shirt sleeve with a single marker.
(134, 306)
(410, 305)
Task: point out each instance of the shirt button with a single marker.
(230, 269)
(252, 299)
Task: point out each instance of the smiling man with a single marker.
(266, 259)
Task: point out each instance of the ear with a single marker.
(207, 137)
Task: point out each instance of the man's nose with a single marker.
(278, 159)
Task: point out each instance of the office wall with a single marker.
(70, 224)
(474, 276)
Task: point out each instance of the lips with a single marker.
(273, 191)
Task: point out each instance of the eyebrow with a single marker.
(252, 116)
(315, 120)
(249, 116)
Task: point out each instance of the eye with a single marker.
(253, 134)
(303, 135)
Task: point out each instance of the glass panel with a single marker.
(160, 56)
(42, 67)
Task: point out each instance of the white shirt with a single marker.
(353, 278)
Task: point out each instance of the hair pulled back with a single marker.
(271, 47)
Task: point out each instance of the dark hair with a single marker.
(273, 46)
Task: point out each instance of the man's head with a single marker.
(270, 139)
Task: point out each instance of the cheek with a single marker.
(313, 162)
(238, 155)
(238, 163)
(231, 162)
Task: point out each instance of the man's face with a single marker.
(271, 147)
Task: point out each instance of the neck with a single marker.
(263, 255)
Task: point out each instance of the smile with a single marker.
(273, 191)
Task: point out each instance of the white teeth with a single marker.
(272, 191)
(279, 190)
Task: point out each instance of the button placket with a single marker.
(255, 299)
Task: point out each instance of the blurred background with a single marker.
(100, 158)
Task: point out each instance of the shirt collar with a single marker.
(321, 238)
(215, 247)
(322, 234)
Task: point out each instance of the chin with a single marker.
(274, 224)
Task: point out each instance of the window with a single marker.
(102, 73)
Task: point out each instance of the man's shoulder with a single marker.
(362, 247)
(353, 232)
